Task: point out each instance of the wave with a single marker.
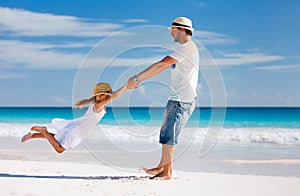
(148, 134)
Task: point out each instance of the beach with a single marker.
(256, 153)
(52, 178)
(34, 168)
(219, 78)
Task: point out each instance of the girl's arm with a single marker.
(119, 92)
(98, 106)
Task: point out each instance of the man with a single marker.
(184, 62)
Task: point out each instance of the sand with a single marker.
(34, 168)
(19, 177)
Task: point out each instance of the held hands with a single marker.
(132, 83)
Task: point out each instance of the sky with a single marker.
(53, 52)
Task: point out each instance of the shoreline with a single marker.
(256, 159)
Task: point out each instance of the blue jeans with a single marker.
(176, 114)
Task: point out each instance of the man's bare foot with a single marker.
(27, 137)
(162, 176)
(40, 129)
(153, 171)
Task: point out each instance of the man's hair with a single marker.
(186, 31)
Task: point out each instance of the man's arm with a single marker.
(151, 71)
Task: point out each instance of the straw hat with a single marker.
(182, 22)
(102, 88)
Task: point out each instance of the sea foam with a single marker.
(282, 136)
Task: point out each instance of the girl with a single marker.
(67, 135)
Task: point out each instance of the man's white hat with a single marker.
(182, 22)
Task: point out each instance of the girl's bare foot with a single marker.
(40, 129)
(153, 171)
(27, 137)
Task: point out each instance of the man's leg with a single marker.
(160, 166)
(166, 161)
(163, 161)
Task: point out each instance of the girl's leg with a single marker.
(50, 137)
(31, 135)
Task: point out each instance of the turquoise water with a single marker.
(234, 117)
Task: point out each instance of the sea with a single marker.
(249, 140)
(278, 125)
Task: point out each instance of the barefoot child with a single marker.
(67, 135)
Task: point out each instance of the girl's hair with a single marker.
(81, 103)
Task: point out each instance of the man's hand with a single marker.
(132, 84)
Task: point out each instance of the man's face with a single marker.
(175, 33)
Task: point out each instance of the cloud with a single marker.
(199, 4)
(37, 55)
(58, 100)
(240, 97)
(210, 38)
(10, 75)
(34, 55)
(279, 68)
(135, 20)
(20, 22)
(142, 90)
(247, 58)
(236, 59)
(27, 55)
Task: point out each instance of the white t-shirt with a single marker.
(184, 77)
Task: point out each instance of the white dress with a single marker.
(68, 130)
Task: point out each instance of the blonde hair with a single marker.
(100, 88)
(83, 102)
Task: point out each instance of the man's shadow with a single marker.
(5, 175)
